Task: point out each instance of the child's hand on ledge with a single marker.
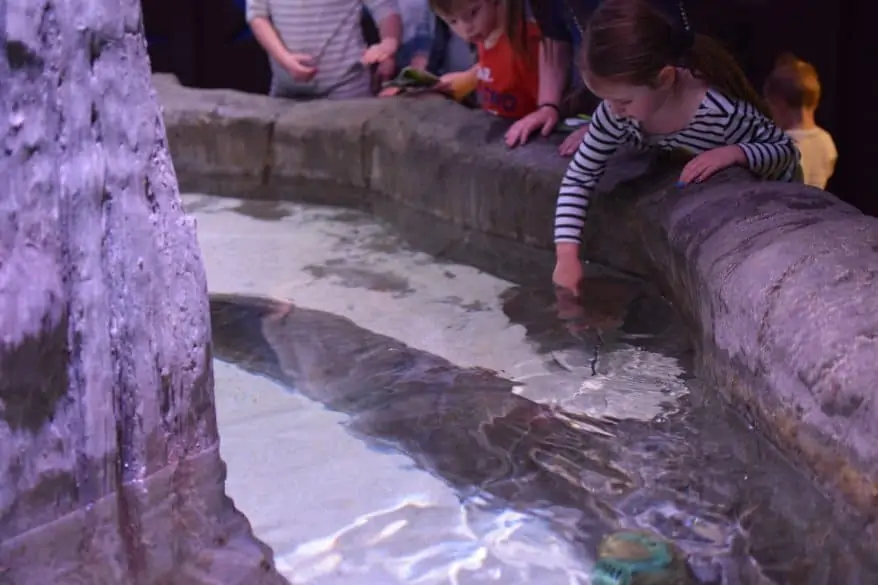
(542, 119)
(572, 141)
(710, 162)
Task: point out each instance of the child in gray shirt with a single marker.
(316, 47)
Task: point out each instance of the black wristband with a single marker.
(548, 105)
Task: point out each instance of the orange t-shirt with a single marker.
(508, 83)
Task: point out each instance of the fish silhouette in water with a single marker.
(464, 424)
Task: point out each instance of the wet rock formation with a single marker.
(110, 471)
(777, 282)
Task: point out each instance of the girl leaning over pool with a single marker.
(662, 87)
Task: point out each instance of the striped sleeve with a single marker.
(604, 137)
(770, 152)
(256, 9)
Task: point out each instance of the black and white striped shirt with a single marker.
(719, 121)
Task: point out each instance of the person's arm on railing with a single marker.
(555, 58)
(556, 50)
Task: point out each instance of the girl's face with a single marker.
(638, 102)
(476, 20)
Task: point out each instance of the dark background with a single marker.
(207, 43)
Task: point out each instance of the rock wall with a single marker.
(108, 442)
(778, 282)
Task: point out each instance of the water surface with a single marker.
(451, 429)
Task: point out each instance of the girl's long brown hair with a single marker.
(630, 41)
(516, 15)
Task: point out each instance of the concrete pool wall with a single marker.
(777, 282)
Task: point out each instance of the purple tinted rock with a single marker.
(108, 442)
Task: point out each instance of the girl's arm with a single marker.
(604, 137)
(556, 50)
(769, 151)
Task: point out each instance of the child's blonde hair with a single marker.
(794, 83)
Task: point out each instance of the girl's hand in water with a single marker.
(570, 311)
(710, 162)
(567, 305)
(567, 278)
(573, 140)
(568, 274)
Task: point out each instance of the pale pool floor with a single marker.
(333, 510)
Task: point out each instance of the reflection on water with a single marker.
(541, 479)
(480, 544)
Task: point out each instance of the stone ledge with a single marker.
(778, 282)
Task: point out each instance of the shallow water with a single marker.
(401, 465)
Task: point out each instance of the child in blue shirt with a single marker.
(417, 34)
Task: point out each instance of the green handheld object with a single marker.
(415, 77)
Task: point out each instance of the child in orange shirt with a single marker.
(507, 81)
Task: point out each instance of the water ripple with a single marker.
(540, 479)
(419, 545)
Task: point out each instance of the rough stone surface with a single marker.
(108, 441)
(777, 281)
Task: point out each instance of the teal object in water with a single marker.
(638, 558)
